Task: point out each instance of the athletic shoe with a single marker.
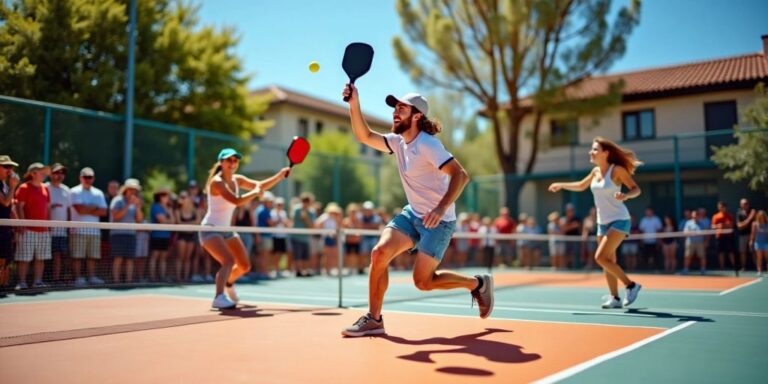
(21, 286)
(39, 284)
(197, 279)
(632, 294)
(612, 302)
(95, 281)
(232, 295)
(365, 325)
(484, 296)
(221, 302)
(80, 282)
(209, 279)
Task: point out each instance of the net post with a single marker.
(340, 241)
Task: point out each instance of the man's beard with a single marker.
(402, 126)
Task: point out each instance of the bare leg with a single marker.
(427, 277)
(391, 244)
(242, 264)
(217, 248)
(606, 255)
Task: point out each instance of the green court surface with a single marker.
(705, 335)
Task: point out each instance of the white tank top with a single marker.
(219, 210)
(608, 208)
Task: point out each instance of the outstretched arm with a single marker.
(363, 133)
(265, 184)
(575, 186)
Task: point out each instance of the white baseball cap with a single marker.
(413, 99)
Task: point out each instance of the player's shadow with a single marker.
(666, 315)
(471, 344)
(245, 311)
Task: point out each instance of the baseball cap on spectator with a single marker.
(279, 201)
(193, 183)
(268, 196)
(229, 152)
(87, 171)
(56, 167)
(37, 167)
(368, 205)
(6, 160)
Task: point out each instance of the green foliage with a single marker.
(334, 155)
(74, 52)
(515, 58)
(748, 159)
(153, 182)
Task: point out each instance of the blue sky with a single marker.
(280, 38)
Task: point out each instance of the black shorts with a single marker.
(159, 243)
(300, 249)
(279, 245)
(352, 248)
(6, 245)
(60, 244)
(725, 244)
(123, 245)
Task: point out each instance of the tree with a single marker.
(748, 159)
(499, 51)
(333, 171)
(74, 52)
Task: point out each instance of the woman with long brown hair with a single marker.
(614, 167)
(223, 191)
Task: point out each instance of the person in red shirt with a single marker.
(33, 202)
(720, 221)
(505, 225)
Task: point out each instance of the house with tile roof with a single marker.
(670, 116)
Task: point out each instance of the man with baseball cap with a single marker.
(88, 205)
(433, 179)
(9, 180)
(60, 206)
(33, 201)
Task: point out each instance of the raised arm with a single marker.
(362, 132)
(574, 186)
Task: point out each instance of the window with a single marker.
(303, 127)
(363, 149)
(639, 125)
(343, 129)
(563, 132)
(318, 127)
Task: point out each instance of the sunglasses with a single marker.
(87, 177)
(62, 173)
(8, 166)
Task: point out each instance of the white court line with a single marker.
(600, 359)
(723, 293)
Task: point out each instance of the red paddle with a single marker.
(297, 151)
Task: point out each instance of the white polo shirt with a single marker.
(59, 206)
(419, 163)
(92, 196)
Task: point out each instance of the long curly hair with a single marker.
(619, 155)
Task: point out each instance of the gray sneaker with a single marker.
(365, 325)
(484, 296)
(632, 294)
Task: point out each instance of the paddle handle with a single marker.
(346, 98)
(288, 172)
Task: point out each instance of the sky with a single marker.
(280, 38)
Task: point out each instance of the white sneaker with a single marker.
(80, 282)
(197, 279)
(612, 302)
(209, 279)
(39, 284)
(221, 302)
(95, 281)
(232, 294)
(21, 286)
(632, 294)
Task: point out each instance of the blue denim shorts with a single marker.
(225, 235)
(622, 226)
(432, 241)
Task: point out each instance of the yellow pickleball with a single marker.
(314, 66)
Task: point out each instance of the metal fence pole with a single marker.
(190, 156)
(128, 145)
(47, 137)
(340, 241)
(678, 180)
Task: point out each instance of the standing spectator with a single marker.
(556, 247)
(113, 187)
(759, 240)
(370, 220)
(722, 220)
(669, 246)
(589, 247)
(194, 193)
(505, 225)
(280, 240)
(462, 244)
(650, 224)
(60, 211)
(330, 219)
(352, 246)
(686, 217)
(474, 243)
(523, 245)
(489, 244)
(186, 214)
(303, 217)
(694, 245)
(125, 208)
(264, 264)
(631, 248)
(88, 205)
(705, 224)
(33, 201)
(745, 217)
(9, 180)
(160, 241)
(535, 246)
(572, 227)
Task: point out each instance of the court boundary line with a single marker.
(744, 285)
(568, 372)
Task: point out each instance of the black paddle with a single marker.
(357, 61)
